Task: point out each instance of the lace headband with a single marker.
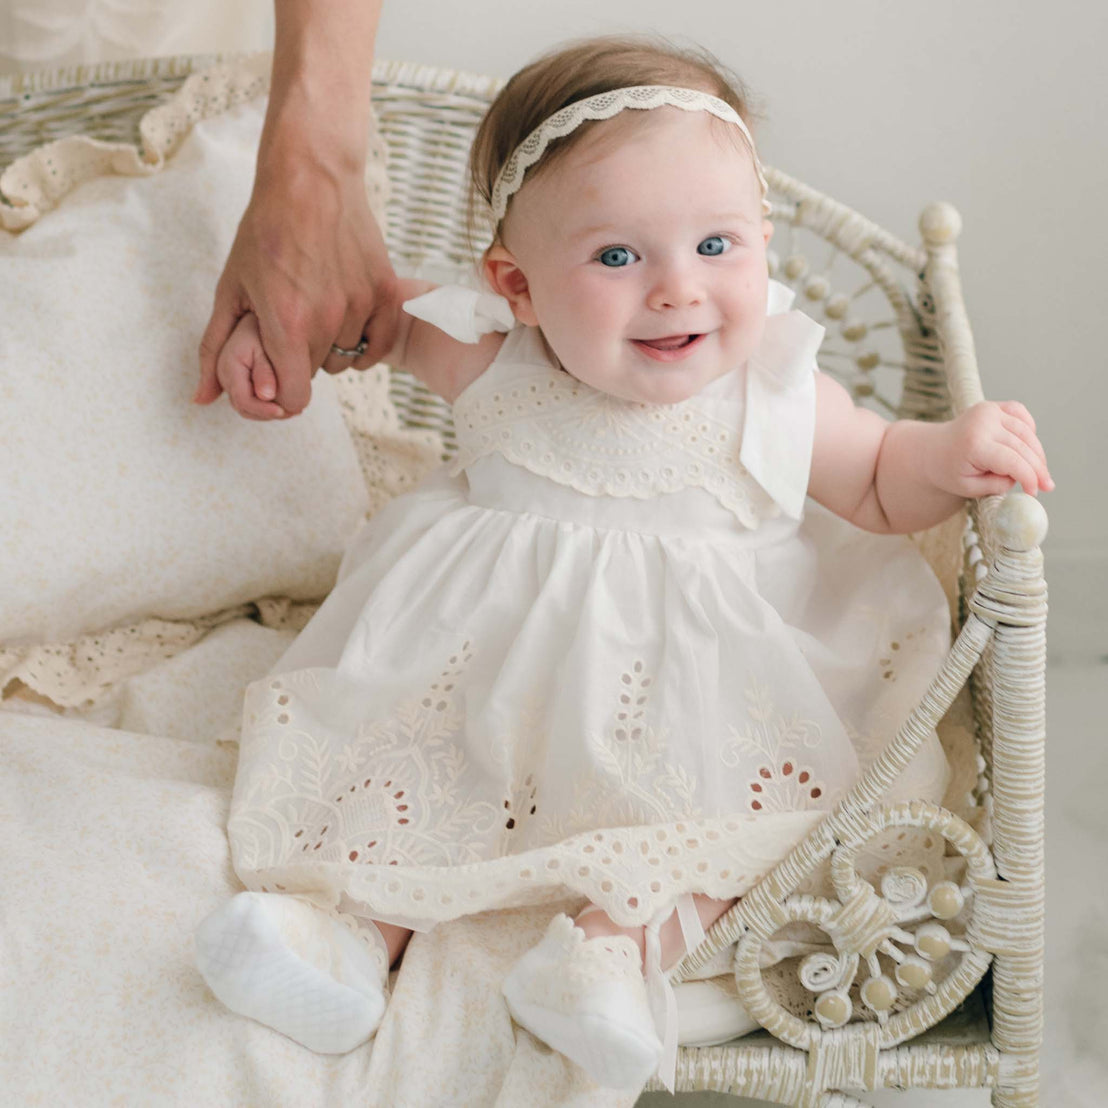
(603, 106)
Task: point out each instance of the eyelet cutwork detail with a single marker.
(522, 805)
(632, 782)
(390, 796)
(782, 781)
(604, 446)
(396, 800)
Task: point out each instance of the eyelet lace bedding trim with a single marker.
(79, 674)
(554, 426)
(37, 182)
(605, 105)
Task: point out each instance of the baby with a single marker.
(623, 650)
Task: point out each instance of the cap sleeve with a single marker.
(463, 313)
(779, 420)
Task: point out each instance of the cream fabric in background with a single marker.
(38, 34)
(121, 499)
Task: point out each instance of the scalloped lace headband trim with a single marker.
(603, 106)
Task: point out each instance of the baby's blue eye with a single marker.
(714, 244)
(616, 256)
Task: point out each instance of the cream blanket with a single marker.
(114, 851)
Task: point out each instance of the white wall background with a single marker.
(995, 106)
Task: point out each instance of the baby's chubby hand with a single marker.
(987, 449)
(245, 373)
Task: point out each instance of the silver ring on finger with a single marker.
(356, 352)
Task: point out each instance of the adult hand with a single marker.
(309, 259)
(310, 262)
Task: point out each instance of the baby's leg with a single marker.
(396, 939)
(314, 977)
(595, 922)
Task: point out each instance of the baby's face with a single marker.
(644, 253)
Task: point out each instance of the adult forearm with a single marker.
(319, 100)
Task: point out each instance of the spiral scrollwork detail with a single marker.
(898, 956)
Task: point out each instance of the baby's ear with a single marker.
(506, 278)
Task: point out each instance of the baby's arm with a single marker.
(445, 365)
(908, 475)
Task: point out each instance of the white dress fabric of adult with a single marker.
(610, 652)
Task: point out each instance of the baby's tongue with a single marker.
(667, 344)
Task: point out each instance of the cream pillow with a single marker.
(120, 499)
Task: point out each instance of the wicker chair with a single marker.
(973, 945)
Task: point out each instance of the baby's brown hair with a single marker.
(575, 72)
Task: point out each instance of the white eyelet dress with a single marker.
(609, 652)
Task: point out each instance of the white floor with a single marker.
(1075, 1055)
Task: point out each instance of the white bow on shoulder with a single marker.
(463, 313)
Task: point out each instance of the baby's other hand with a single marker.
(245, 373)
(988, 448)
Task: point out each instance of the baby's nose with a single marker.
(675, 286)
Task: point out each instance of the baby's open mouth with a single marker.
(671, 348)
(671, 342)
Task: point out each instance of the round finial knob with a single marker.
(940, 223)
(796, 265)
(933, 940)
(879, 993)
(817, 288)
(833, 1009)
(914, 973)
(1021, 521)
(946, 900)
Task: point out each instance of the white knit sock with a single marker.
(587, 999)
(291, 966)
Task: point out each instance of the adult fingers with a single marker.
(350, 337)
(381, 325)
(286, 347)
(371, 328)
(373, 305)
